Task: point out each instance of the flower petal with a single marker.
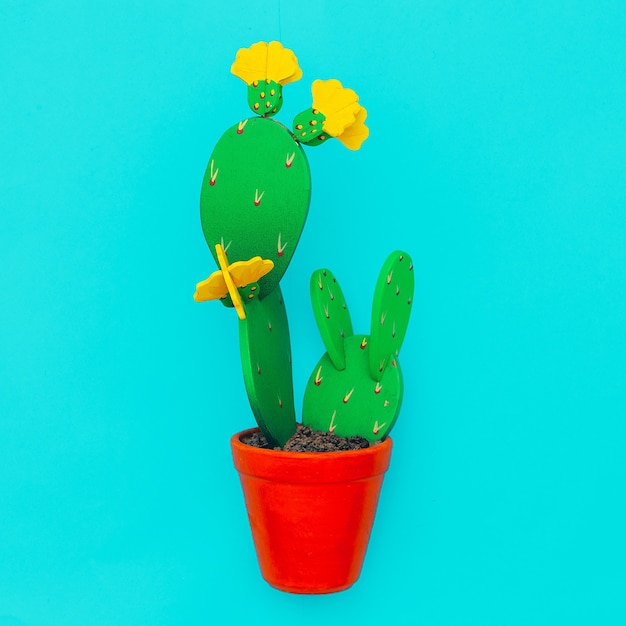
(263, 61)
(282, 64)
(338, 104)
(356, 133)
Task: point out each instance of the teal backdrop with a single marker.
(497, 158)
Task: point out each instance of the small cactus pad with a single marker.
(391, 310)
(331, 314)
(255, 196)
(308, 127)
(348, 402)
(265, 97)
(266, 363)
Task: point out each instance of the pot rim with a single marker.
(309, 467)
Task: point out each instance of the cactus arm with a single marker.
(331, 314)
(266, 363)
(391, 310)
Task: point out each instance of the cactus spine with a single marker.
(356, 388)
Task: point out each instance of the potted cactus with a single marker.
(310, 512)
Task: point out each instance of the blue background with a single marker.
(497, 158)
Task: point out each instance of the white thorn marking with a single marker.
(377, 427)
(281, 247)
(332, 426)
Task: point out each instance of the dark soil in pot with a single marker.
(307, 440)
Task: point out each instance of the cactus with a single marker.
(253, 206)
(266, 363)
(356, 387)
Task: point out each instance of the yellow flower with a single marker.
(266, 61)
(344, 116)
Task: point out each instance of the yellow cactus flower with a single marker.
(344, 116)
(266, 61)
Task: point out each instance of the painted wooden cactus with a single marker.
(253, 206)
(356, 387)
(266, 362)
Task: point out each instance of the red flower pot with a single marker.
(311, 513)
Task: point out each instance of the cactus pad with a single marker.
(265, 97)
(255, 196)
(331, 314)
(393, 299)
(266, 363)
(308, 127)
(348, 402)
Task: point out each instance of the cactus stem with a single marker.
(332, 426)
(347, 396)
(318, 377)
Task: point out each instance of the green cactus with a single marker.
(344, 395)
(266, 362)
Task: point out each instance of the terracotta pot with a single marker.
(311, 513)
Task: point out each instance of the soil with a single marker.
(307, 440)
